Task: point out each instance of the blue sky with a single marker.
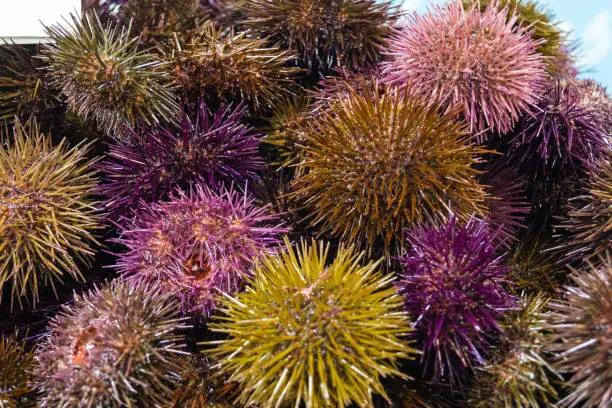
(588, 21)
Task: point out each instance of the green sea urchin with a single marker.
(16, 385)
(102, 74)
(311, 332)
(518, 373)
(47, 215)
(581, 325)
(117, 346)
(376, 162)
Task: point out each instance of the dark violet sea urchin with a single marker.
(212, 148)
(104, 76)
(452, 287)
(117, 346)
(581, 326)
(47, 213)
(376, 162)
(313, 331)
(475, 60)
(198, 244)
(324, 34)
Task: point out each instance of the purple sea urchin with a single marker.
(376, 162)
(47, 212)
(452, 286)
(210, 148)
(223, 66)
(560, 139)
(116, 346)
(581, 327)
(556, 146)
(594, 97)
(476, 60)
(324, 33)
(198, 244)
(103, 76)
(16, 383)
(313, 332)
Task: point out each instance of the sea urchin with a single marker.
(452, 285)
(376, 162)
(476, 60)
(47, 213)
(112, 347)
(311, 332)
(198, 244)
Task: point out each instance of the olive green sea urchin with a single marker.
(16, 361)
(581, 325)
(47, 216)
(311, 332)
(117, 346)
(103, 76)
(518, 373)
(588, 227)
(376, 163)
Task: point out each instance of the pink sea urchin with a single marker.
(473, 59)
(198, 243)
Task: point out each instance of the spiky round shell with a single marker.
(452, 286)
(506, 202)
(211, 148)
(534, 268)
(376, 163)
(198, 244)
(324, 34)
(560, 142)
(153, 20)
(581, 325)
(103, 76)
(47, 212)
(282, 132)
(587, 230)
(536, 18)
(477, 60)
(115, 346)
(200, 387)
(16, 385)
(223, 66)
(518, 372)
(595, 98)
(312, 331)
(24, 88)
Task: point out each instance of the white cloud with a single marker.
(597, 39)
(566, 27)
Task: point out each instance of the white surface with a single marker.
(20, 20)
